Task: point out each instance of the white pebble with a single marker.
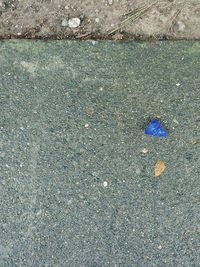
(74, 22)
(163, 19)
(181, 26)
(138, 171)
(175, 121)
(110, 2)
(145, 150)
(64, 23)
(86, 125)
(178, 84)
(105, 184)
(93, 42)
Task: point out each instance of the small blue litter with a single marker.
(155, 128)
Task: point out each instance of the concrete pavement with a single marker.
(76, 187)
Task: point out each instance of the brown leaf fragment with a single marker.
(159, 167)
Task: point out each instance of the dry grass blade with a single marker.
(173, 20)
(132, 17)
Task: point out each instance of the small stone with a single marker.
(178, 84)
(181, 26)
(94, 42)
(145, 150)
(97, 20)
(175, 121)
(64, 23)
(193, 142)
(163, 19)
(138, 171)
(117, 36)
(89, 111)
(105, 184)
(110, 2)
(74, 22)
(86, 125)
(2, 6)
(159, 247)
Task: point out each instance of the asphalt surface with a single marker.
(76, 188)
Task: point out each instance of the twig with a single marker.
(173, 20)
(132, 17)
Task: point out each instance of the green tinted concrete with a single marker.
(75, 187)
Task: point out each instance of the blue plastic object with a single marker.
(155, 128)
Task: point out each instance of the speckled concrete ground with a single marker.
(76, 188)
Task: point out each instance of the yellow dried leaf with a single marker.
(159, 167)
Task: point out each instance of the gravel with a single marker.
(74, 22)
(64, 23)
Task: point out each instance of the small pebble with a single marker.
(64, 23)
(1, 4)
(181, 26)
(194, 142)
(178, 84)
(86, 125)
(163, 18)
(117, 36)
(74, 22)
(110, 2)
(145, 150)
(105, 184)
(94, 42)
(175, 121)
(138, 171)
